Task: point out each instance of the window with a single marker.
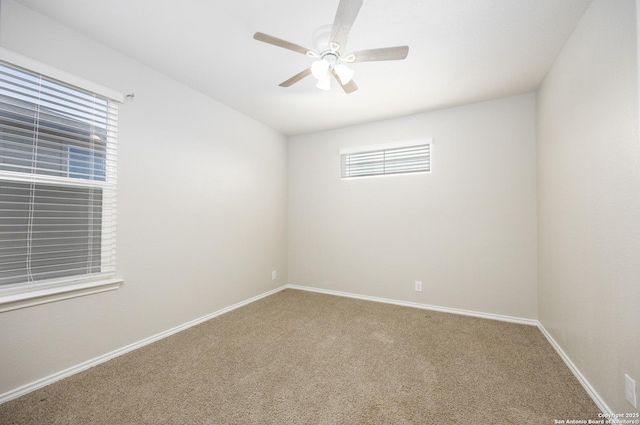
(398, 158)
(57, 183)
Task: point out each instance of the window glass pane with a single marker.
(48, 231)
(42, 120)
(86, 164)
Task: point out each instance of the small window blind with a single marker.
(57, 180)
(402, 158)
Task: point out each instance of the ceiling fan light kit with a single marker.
(330, 42)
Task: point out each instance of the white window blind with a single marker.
(57, 180)
(401, 158)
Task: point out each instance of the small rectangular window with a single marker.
(399, 158)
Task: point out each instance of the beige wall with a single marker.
(589, 200)
(201, 210)
(467, 230)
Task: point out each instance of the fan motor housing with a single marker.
(320, 38)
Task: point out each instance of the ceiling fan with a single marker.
(330, 42)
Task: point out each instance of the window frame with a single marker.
(381, 148)
(26, 294)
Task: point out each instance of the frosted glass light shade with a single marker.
(344, 74)
(320, 69)
(325, 83)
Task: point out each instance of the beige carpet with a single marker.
(305, 358)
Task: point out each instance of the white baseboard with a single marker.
(572, 367)
(520, 320)
(576, 372)
(10, 395)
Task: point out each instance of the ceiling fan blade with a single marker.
(345, 16)
(291, 81)
(266, 38)
(348, 88)
(384, 54)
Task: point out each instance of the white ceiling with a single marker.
(461, 51)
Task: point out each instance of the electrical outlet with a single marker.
(418, 285)
(631, 390)
(274, 275)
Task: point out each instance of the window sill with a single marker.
(32, 297)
